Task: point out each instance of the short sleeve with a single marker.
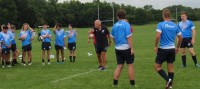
(50, 33)
(128, 30)
(192, 25)
(159, 28)
(178, 32)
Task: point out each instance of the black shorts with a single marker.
(165, 55)
(5, 51)
(186, 43)
(100, 49)
(72, 46)
(46, 45)
(27, 47)
(13, 47)
(124, 55)
(57, 47)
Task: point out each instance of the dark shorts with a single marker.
(46, 45)
(165, 55)
(124, 55)
(13, 47)
(27, 47)
(72, 46)
(5, 51)
(186, 43)
(100, 49)
(57, 47)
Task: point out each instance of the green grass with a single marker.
(41, 77)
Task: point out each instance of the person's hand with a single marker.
(132, 51)
(177, 50)
(156, 49)
(192, 41)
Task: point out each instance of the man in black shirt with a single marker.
(103, 40)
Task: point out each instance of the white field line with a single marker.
(75, 75)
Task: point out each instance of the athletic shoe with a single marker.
(57, 62)
(197, 65)
(103, 68)
(63, 62)
(134, 86)
(24, 64)
(170, 87)
(100, 67)
(183, 66)
(3, 66)
(43, 64)
(168, 83)
(49, 63)
(30, 64)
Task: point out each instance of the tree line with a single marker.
(37, 12)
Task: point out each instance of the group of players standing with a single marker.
(27, 34)
(121, 33)
(166, 33)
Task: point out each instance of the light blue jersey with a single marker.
(13, 35)
(120, 32)
(169, 31)
(60, 36)
(186, 28)
(45, 32)
(28, 36)
(72, 36)
(6, 38)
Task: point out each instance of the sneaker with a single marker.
(197, 65)
(43, 64)
(63, 62)
(57, 62)
(100, 67)
(30, 64)
(134, 86)
(170, 87)
(49, 63)
(183, 66)
(103, 68)
(24, 64)
(168, 84)
(3, 66)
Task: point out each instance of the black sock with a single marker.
(74, 58)
(48, 60)
(163, 75)
(70, 57)
(194, 59)
(132, 82)
(3, 63)
(42, 60)
(171, 76)
(62, 60)
(184, 60)
(115, 82)
(57, 60)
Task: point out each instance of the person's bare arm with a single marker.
(179, 41)
(193, 36)
(130, 44)
(157, 39)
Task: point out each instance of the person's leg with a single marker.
(62, 54)
(3, 60)
(183, 51)
(117, 73)
(48, 56)
(74, 55)
(29, 57)
(170, 68)
(57, 55)
(24, 57)
(70, 55)
(103, 57)
(192, 53)
(43, 55)
(131, 74)
(99, 59)
(161, 72)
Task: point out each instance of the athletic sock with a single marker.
(70, 57)
(163, 75)
(115, 82)
(74, 58)
(48, 60)
(57, 60)
(194, 59)
(132, 82)
(63, 60)
(171, 76)
(184, 60)
(3, 63)
(42, 60)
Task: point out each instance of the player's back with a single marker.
(168, 30)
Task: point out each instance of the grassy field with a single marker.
(83, 74)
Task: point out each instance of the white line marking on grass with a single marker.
(75, 75)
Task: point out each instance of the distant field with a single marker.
(83, 74)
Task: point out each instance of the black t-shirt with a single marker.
(101, 36)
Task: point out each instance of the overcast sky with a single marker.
(157, 4)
